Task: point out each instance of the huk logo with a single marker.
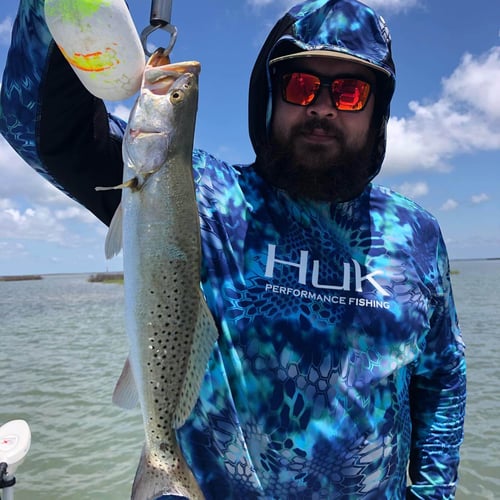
(353, 277)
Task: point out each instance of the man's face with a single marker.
(318, 151)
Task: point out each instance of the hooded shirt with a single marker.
(339, 365)
(344, 29)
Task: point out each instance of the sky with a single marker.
(443, 136)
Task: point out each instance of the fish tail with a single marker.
(153, 480)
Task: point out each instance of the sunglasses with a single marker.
(348, 93)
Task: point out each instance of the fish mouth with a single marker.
(160, 74)
(138, 133)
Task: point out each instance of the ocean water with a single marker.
(62, 347)
(477, 295)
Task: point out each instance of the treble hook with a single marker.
(161, 12)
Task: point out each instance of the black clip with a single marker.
(161, 13)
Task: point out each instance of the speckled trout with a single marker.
(170, 329)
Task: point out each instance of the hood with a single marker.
(345, 29)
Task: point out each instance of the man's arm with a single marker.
(53, 122)
(437, 399)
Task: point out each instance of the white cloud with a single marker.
(61, 229)
(479, 198)
(448, 205)
(68, 227)
(475, 83)
(75, 212)
(31, 209)
(18, 179)
(30, 223)
(121, 111)
(413, 190)
(466, 118)
(5, 31)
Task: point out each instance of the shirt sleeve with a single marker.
(437, 397)
(53, 122)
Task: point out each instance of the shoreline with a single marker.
(108, 277)
(22, 277)
(104, 277)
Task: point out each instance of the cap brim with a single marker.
(329, 53)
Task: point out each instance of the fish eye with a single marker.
(176, 96)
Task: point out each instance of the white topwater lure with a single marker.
(99, 40)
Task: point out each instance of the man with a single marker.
(339, 367)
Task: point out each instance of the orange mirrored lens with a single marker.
(300, 88)
(348, 94)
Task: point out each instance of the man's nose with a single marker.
(323, 104)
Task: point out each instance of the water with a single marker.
(63, 346)
(477, 295)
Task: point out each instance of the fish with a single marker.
(170, 328)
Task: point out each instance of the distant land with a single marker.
(107, 277)
(25, 277)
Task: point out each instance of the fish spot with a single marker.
(164, 447)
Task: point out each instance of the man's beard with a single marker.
(314, 171)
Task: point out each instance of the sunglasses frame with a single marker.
(324, 82)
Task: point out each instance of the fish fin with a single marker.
(114, 238)
(205, 336)
(165, 473)
(131, 183)
(125, 394)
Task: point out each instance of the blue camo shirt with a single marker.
(332, 317)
